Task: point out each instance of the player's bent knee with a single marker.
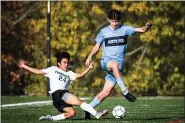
(115, 67)
(72, 113)
(78, 102)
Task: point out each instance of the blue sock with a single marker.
(95, 102)
(122, 85)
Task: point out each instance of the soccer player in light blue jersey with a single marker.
(113, 39)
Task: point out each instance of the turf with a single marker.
(22, 99)
(144, 110)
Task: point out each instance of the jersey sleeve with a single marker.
(130, 30)
(99, 38)
(47, 71)
(72, 75)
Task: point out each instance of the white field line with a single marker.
(34, 103)
(27, 103)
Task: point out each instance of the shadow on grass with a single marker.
(149, 119)
(159, 118)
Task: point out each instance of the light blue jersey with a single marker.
(114, 42)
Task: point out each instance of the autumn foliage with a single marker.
(154, 64)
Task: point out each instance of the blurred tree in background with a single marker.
(154, 63)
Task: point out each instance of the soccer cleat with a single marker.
(87, 115)
(102, 113)
(130, 97)
(47, 117)
(105, 112)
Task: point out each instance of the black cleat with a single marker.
(87, 115)
(130, 97)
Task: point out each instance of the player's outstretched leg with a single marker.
(93, 103)
(130, 97)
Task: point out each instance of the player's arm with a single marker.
(85, 71)
(33, 70)
(144, 28)
(93, 52)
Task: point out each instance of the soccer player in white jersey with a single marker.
(113, 39)
(60, 79)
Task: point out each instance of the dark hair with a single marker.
(114, 14)
(60, 55)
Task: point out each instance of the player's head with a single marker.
(63, 59)
(114, 15)
(114, 18)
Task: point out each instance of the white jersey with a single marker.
(59, 79)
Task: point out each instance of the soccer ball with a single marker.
(118, 111)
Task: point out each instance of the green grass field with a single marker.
(144, 110)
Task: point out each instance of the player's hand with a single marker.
(149, 24)
(21, 64)
(88, 61)
(91, 65)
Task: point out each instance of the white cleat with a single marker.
(105, 112)
(102, 113)
(47, 117)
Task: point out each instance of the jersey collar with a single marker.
(116, 28)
